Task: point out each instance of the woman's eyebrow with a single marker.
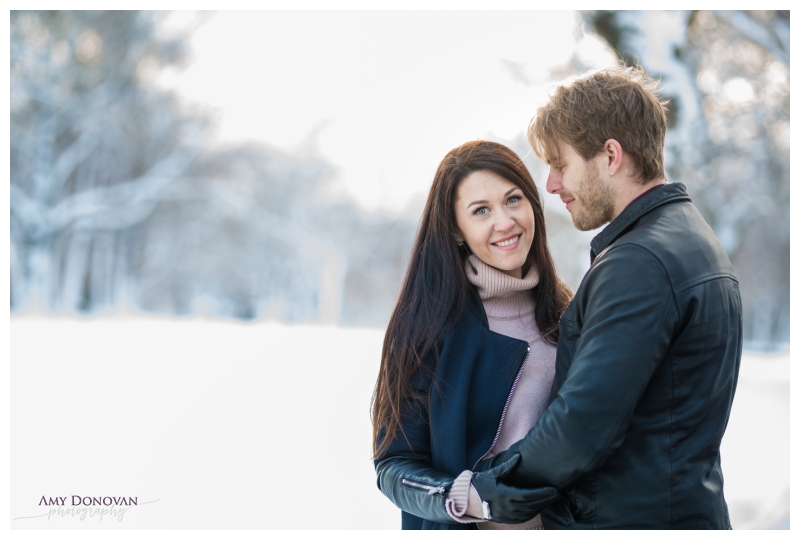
(507, 193)
(473, 203)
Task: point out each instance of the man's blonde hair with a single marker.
(620, 103)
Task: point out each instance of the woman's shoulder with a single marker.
(465, 331)
(474, 313)
(471, 319)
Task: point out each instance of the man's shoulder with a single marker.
(677, 236)
(626, 268)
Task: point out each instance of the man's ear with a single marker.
(614, 154)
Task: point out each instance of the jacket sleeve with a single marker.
(405, 473)
(415, 487)
(628, 319)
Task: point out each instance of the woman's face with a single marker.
(495, 220)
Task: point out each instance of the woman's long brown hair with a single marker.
(435, 289)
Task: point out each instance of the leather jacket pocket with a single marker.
(582, 498)
(578, 504)
(558, 515)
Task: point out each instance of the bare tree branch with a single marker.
(777, 44)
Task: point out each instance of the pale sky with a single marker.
(389, 93)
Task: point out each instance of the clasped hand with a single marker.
(509, 504)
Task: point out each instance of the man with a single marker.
(650, 346)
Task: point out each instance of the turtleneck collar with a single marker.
(499, 287)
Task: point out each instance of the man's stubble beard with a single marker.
(596, 199)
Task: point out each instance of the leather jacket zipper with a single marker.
(432, 490)
(505, 408)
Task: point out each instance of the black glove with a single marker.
(503, 457)
(507, 504)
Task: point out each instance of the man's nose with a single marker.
(553, 184)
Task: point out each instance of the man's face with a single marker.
(588, 196)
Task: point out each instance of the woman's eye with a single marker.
(514, 199)
(481, 211)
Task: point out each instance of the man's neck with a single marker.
(631, 191)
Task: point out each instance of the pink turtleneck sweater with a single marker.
(509, 307)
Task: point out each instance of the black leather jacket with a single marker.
(646, 371)
(456, 422)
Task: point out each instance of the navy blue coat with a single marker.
(456, 426)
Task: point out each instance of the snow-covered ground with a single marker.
(219, 424)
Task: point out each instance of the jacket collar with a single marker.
(673, 192)
(475, 305)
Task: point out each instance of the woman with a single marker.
(469, 354)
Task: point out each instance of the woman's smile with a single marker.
(508, 243)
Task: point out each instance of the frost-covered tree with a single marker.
(114, 192)
(726, 74)
(93, 149)
(117, 193)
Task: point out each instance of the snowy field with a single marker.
(223, 425)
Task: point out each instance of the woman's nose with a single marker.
(503, 221)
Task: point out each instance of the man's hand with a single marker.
(503, 457)
(507, 504)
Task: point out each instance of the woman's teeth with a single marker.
(508, 242)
